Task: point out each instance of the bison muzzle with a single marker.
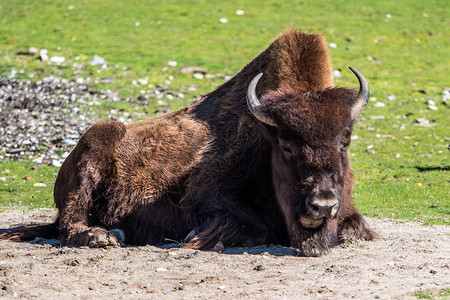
(262, 159)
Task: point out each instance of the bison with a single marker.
(262, 159)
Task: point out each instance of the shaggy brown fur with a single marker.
(213, 168)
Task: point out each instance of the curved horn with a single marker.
(255, 107)
(363, 95)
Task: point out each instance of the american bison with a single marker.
(262, 159)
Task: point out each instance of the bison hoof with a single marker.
(101, 238)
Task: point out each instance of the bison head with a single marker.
(310, 132)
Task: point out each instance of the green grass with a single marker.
(433, 294)
(400, 46)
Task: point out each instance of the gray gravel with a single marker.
(42, 121)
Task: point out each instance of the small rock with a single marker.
(33, 50)
(199, 76)
(239, 12)
(332, 45)
(172, 63)
(187, 70)
(422, 122)
(391, 97)
(379, 104)
(161, 270)
(69, 142)
(370, 151)
(398, 155)
(219, 247)
(79, 80)
(39, 184)
(98, 61)
(192, 87)
(336, 73)
(137, 23)
(223, 20)
(56, 163)
(57, 59)
(432, 107)
(431, 102)
(376, 117)
(143, 81)
(222, 287)
(43, 54)
(258, 268)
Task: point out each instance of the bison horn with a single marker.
(255, 107)
(363, 94)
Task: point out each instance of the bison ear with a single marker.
(363, 94)
(254, 105)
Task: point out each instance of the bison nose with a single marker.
(323, 208)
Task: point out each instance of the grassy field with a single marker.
(402, 169)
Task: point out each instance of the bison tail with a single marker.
(29, 233)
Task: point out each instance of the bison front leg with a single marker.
(80, 186)
(75, 226)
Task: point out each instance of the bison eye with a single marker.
(286, 150)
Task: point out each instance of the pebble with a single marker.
(332, 45)
(379, 104)
(172, 63)
(57, 59)
(56, 163)
(161, 270)
(43, 54)
(187, 70)
(391, 97)
(33, 50)
(376, 117)
(219, 247)
(80, 80)
(98, 61)
(223, 20)
(239, 12)
(422, 122)
(69, 142)
(198, 76)
(336, 73)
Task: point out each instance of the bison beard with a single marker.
(262, 159)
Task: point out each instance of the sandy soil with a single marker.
(409, 258)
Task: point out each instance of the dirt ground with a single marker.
(408, 259)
